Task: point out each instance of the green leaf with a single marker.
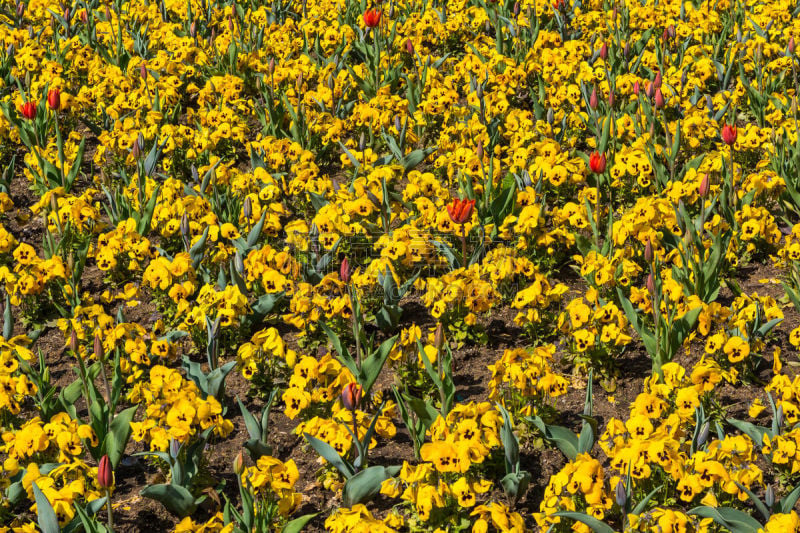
(787, 503)
(765, 512)
(366, 484)
(297, 525)
(596, 525)
(250, 422)
(564, 439)
(118, 435)
(510, 442)
(756, 433)
(177, 499)
(729, 518)
(331, 455)
(639, 509)
(371, 366)
(45, 515)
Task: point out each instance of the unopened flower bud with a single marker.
(344, 271)
(593, 98)
(636, 88)
(704, 186)
(174, 448)
(409, 47)
(185, 226)
(397, 124)
(611, 99)
(271, 66)
(657, 80)
(143, 70)
(438, 337)
(105, 474)
(99, 351)
(238, 463)
(550, 117)
(351, 396)
(769, 496)
(702, 436)
(659, 99)
(73, 342)
(650, 284)
(648, 252)
(790, 46)
(248, 208)
(650, 90)
(193, 29)
(604, 52)
(238, 263)
(627, 50)
(479, 150)
(620, 494)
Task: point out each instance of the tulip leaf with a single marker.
(331, 455)
(45, 514)
(177, 499)
(120, 432)
(756, 433)
(639, 509)
(564, 439)
(788, 501)
(733, 519)
(297, 525)
(596, 525)
(364, 485)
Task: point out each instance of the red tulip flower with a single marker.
(728, 134)
(54, 99)
(28, 110)
(460, 211)
(344, 271)
(597, 162)
(105, 474)
(351, 396)
(372, 17)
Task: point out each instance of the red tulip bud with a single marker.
(657, 81)
(650, 90)
(597, 162)
(28, 110)
(651, 284)
(648, 251)
(728, 134)
(351, 396)
(409, 47)
(636, 88)
(344, 271)
(604, 52)
(659, 99)
(105, 474)
(54, 98)
(704, 186)
(593, 98)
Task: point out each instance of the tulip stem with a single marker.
(110, 512)
(464, 245)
